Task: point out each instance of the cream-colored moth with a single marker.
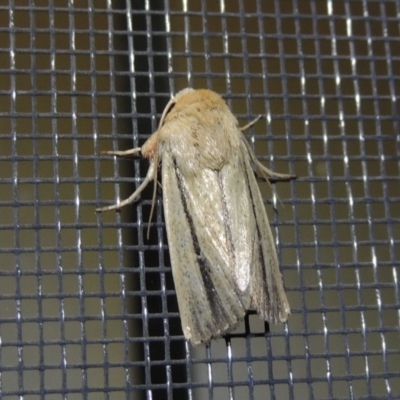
(222, 251)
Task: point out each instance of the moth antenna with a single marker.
(167, 109)
(153, 200)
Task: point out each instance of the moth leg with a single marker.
(274, 176)
(135, 194)
(266, 173)
(250, 124)
(125, 153)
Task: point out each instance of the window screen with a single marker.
(87, 301)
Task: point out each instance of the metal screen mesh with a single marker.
(87, 302)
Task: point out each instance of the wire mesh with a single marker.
(87, 303)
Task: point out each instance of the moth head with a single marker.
(171, 104)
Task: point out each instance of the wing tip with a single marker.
(204, 338)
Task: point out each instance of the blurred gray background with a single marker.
(87, 307)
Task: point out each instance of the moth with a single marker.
(222, 251)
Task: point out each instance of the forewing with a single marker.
(254, 258)
(221, 246)
(267, 291)
(209, 299)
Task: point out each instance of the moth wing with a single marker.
(222, 249)
(267, 292)
(255, 261)
(210, 302)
